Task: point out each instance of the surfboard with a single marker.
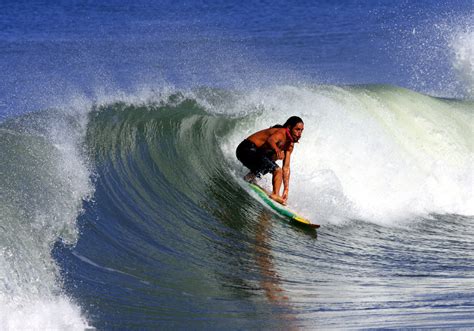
(281, 209)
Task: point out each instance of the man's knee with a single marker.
(277, 171)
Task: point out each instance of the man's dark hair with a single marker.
(290, 123)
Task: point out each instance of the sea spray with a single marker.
(44, 179)
(462, 46)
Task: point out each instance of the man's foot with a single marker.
(277, 198)
(250, 178)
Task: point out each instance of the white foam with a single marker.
(47, 314)
(48, 178)
(380, 154)
(43, 198)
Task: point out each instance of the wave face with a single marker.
(172, 237)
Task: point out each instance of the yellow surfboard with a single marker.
(280, 209)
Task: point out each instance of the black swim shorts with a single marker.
(258, 160)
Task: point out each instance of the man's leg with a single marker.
(276, 181)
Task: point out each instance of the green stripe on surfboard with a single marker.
(280, 209)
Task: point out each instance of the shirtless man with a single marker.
(260, 151)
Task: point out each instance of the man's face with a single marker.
(297, 131)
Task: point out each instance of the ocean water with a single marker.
(122, 203)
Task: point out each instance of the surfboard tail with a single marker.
(305, 221)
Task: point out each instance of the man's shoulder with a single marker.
(279, 131)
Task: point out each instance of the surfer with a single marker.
(259, 151)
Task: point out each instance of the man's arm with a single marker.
(286, 172)
(273, 141)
